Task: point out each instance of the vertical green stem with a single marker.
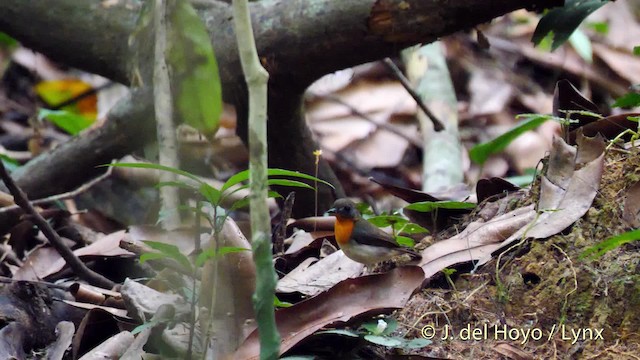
(256, 77)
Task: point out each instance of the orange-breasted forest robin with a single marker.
(362, 241)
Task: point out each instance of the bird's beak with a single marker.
(331, 211)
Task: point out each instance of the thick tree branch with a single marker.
(298, 41)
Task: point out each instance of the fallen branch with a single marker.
(54, 239)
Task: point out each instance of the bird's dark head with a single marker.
(344, 208)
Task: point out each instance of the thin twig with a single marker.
(72, 260)
(383, 125)
(437, 124)
(63, 196)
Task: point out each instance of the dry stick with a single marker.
(76, 265)
(437, 124)
(383, 125)
(82, 188)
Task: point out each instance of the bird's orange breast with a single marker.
(343, 230)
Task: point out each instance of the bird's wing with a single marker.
(368, 234)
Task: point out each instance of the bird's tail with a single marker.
(414, 255)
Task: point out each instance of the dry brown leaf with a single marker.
(478, 240)
(567, 191)
(233, 290)
(512, 352)
(381, 149)
(347, 299)
(313, 279)
(45, 261)
(490, 92)
(624, 63)
(631, 213)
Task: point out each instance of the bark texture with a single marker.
(298, 41)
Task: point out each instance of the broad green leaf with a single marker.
(427, 206)
(600, 27)
(405, 241)
(195, 81)
(375, 327)
(582, 45)
(629, 100)
(563, 21)
(152, 256)
(480, 153)
(611, 243)
(157, 167)
(66, 120)
(416, 343)
(392, 325)
(411, 228)
(636, 50)
(171, 251)
(210, 193)
(383, 340)
(387, 220)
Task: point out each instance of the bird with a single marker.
(360, 240)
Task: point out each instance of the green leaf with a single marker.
(600, 27)
(285, 182)
(383, 340)
(282, 304)
(244, 202)
(210, 193)
(427, 206)
(147, 325)
(339, 332)
(235, 179)
(611, 243)
(210, 253)
(195, 80)
(387, 220)
(629, 100)
(416, 343)
(152, 256)
(480, 153)
(636, 50)
(373, 326)
(295, 174)
(9, 163)
(7, 41)
(405, 241)
(157, 167)
(582, 45)
(66, 120)
(171, 251)
(392, 325)
(563, 21)
(411, 228)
